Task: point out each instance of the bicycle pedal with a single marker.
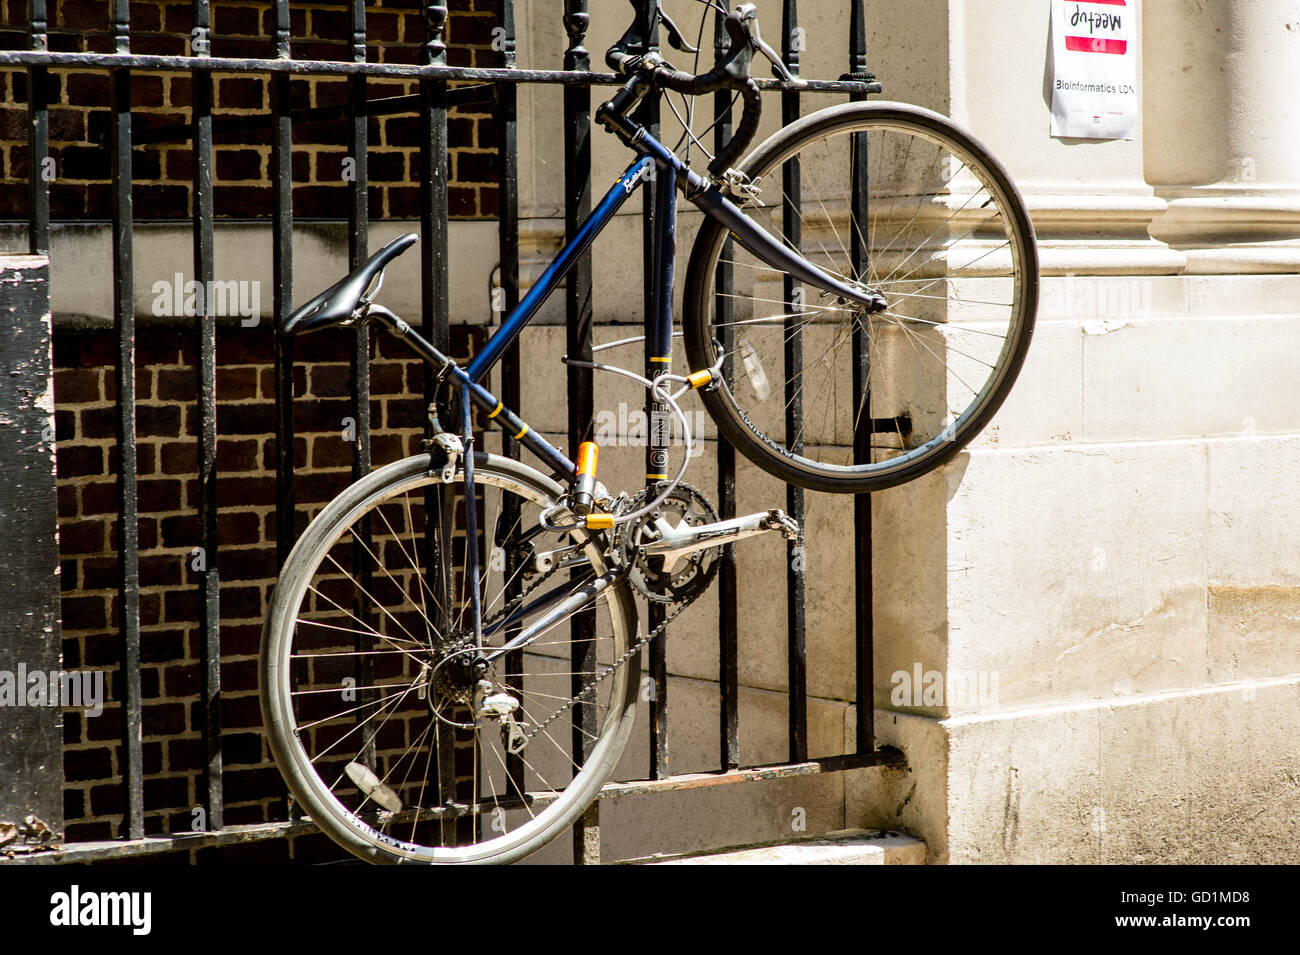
(778, 520)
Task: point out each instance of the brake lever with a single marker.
(779, 69)
(676, 39)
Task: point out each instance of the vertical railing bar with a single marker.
(282, 280)
(796, 606)
(648, 116)
(578, 331)
(38, 136)
(863, 595)
(130, 762)
(358, 235)
(507, 129)
(434, 299)
(205, 330)
(728, 602)
(433, 186)
(359, 360)
(434, 181)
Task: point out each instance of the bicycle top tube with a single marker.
(550, 279)
(704, 196)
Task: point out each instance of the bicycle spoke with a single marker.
(937, 233)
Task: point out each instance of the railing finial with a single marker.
(506, 44)
(792, 36)
(576, 22)
(857, 41)
(358, 31)
(435, 22)
(39, 38)
(121, 26)
(281, 31)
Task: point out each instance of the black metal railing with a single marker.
(433, 100)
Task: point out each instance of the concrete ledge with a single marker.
(846, 847)
(1179, 777)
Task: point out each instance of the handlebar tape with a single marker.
(712, 82)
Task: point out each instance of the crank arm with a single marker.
(674, 543)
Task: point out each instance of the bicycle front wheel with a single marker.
(815, 390)
(403, 738)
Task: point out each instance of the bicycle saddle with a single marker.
(339, 302)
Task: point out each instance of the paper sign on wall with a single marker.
(1094, 52)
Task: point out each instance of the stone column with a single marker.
(1223, 123)
(1076, 605)
(1092, 206)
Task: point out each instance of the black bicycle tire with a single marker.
(730, 420)
(277, 708)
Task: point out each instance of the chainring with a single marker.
(689, 576)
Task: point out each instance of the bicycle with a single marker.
(417, 683)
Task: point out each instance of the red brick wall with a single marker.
(167, 426)
(166, 414)
(161, 171)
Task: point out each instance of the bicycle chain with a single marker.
(600, 678)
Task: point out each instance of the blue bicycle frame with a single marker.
(670, 172)
(472, 378)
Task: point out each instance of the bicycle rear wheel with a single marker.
(371, 684)
(893, 197)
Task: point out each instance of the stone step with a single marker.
(845, 847)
